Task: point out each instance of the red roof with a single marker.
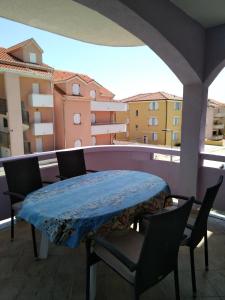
(151, 96)
(9, 62)
(65, 75)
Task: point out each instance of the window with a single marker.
(175, 136)
(153, 105)
(76, 118)
(136, 126)
(37, 117)
(39, 144)
(127, 121)
(93, 140)
(76, 89)
(77, 143)
(93, 94)
(35, 88)
(153, 121)
(176, 121)
(145, 138)
(5, 122)
(136, 113)
(177, 106)
(154, 136)
(33, 58)
(93, 118)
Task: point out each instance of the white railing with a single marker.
(41, 100)
(108, 106)
(107, 128)
(42, 128)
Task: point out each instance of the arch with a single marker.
(182, 51)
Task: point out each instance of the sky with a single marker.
(125, 71)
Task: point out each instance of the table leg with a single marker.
(43, 251)
(93, 282)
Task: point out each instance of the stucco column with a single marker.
(193, 132)
(12, 89)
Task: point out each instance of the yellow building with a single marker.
(153, 118)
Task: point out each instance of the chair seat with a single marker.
(130, 244)
(17, 206)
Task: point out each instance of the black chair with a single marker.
(197, 231)
(23, 177)
(143, 260)
(71, 163)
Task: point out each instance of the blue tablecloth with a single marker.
(67, 210)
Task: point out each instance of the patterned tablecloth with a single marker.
(68, 210)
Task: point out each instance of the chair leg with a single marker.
(88, 251)
(176, 281)
(34, 241)
(193, 272)
(206, 252)
(12, 225)
(136, 295)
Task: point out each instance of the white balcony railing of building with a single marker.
(42, 128)
(217, 137)
(108, 106)
(218, 126)
(41, 100)
(107, 128)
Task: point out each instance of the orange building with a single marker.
(26, 100)
(84, 111)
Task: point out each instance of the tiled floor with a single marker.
(62, 275)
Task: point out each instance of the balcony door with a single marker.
(39, 144)
(35, 88)
(37, 117)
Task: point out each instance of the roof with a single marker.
(22, 44)
(215, 103)
(8, 62)
(151, 96)
(60, 75)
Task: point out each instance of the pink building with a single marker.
(84, 111)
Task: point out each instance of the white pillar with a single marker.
(193, 133)
(12, 89)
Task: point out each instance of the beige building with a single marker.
(84, 111)
(215, 122)
(26, 100)
(152, 118)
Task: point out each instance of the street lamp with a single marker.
(171, 139)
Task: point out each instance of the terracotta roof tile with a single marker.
(65, 75)
(20, 45)
(151, 96)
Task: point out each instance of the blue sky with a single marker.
(124, 71)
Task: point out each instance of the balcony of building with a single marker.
(108, 106)
(218, 125)
(99, 128)
(41, 100)
(42, 129)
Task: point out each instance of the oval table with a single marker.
(66, 211)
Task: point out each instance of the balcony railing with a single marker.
(42, 128)
(108, 106)
(107, 128)
(41, 100)
(217, 137)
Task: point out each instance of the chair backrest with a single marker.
(22, 175)
(161, 245)
(71, 163)
(200, 225)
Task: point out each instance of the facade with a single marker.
(26, 100)
(84, 111)
(215, 122)
(153, 118)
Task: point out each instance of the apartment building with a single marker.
(215, 122)
(152, 118)
(26, 100)
(84, 111)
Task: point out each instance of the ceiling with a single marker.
(208, 13)
(68, 18)
(71, 19)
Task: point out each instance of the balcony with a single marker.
(217, 137)
(218, 126)
(41, 100)
(107, 128)
(219, 115)
(108, 106)
(42, 129)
